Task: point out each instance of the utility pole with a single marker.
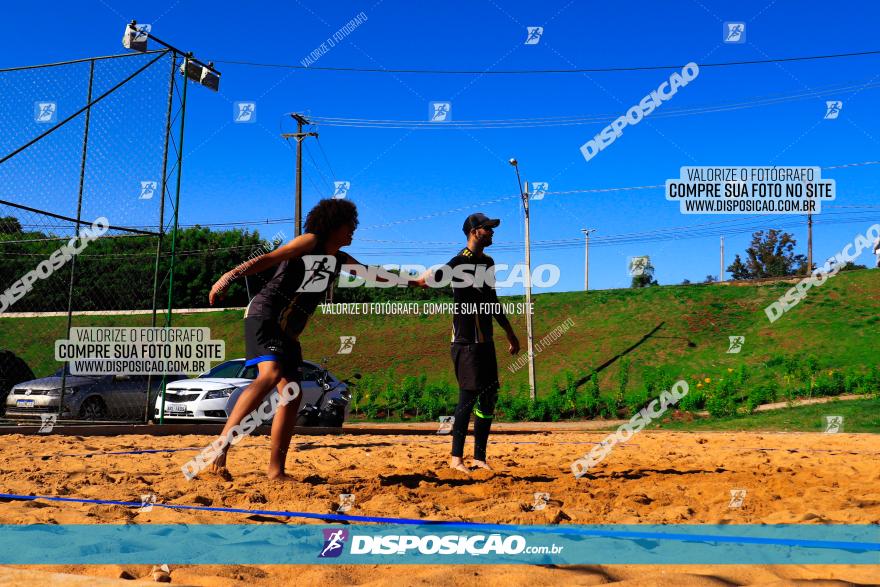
(587, 232)
(524, 194)
(721, 268)
(299, 135)
(809, 242)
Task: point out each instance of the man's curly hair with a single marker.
(329, 214)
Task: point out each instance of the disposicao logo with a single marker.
(334, 542)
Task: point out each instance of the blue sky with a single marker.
(244, 172)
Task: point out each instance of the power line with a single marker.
(547, 71)
(321, 147)
(284, 220)
(620, 240)
(567, 192)
(704, 230)
(318, 190)
(579, 120)
(315, 165)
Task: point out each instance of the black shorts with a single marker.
(264, 341)
(476, 367)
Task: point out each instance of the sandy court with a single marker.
(657, 478)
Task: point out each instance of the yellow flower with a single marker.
(699, 385)
(831, 373)
(707, 380)
(729, 370)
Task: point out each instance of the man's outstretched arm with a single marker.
(298, 247)
(358, 269)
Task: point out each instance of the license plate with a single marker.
(175, 408)
(25, 403)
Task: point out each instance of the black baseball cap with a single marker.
(478, 220)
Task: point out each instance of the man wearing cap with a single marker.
(473, 349)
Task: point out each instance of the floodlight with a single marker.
(135, 36)
(204, 75)
(210, 78)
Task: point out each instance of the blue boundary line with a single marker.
(625, 445)
(128, 452)
(838, 545)
(161, 450)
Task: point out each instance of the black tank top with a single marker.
(280, 299)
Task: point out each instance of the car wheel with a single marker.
(93, 409)
(333, 420)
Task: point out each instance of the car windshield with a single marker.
(227, 369)
(60, 372)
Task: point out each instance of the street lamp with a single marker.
(524, 196)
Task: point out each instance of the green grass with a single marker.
(858, 415)
(681, 330)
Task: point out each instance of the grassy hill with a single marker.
(635, 340)
(859, 416)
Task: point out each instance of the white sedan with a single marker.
(211, 396)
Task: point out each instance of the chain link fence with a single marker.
(86, 153)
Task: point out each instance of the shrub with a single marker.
(409, 392)
(514, 405)
(538, 410)
(657, 380)
(762, 394)
(608, 406)
(740, 375)
(873, 380)
(622, 380)
(436, 400)
(721, 400)
(829, 383)
(556, 404)
(589, 399)
(694, 400)
(634, 400)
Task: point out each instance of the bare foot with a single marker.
(220, 461)
(483, 465)
(458, 465)
(281, 476)
(220, 471)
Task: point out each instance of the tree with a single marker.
(850, 266)
(738, 269)
(770, 255)
(709, 279)
(645, 278)
(686, 282)
(9, 225)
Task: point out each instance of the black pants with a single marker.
(485, 403)
(477, 373)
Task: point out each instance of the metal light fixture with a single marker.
(210, 77)
(136, 36)
(200, 73)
